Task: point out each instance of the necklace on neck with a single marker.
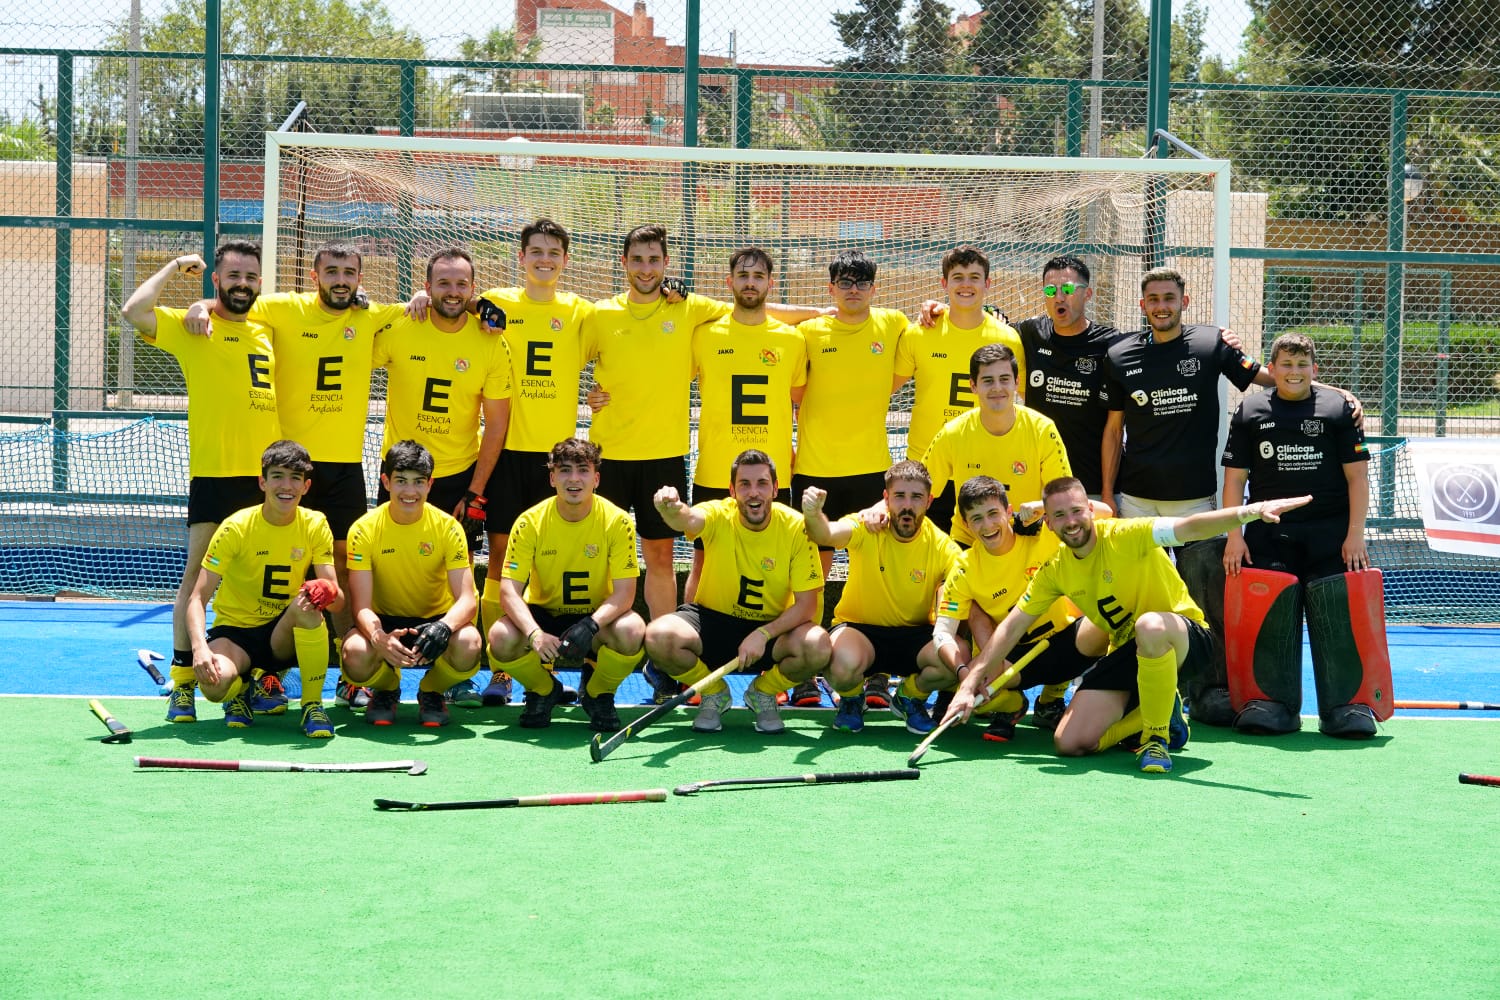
(630, 308)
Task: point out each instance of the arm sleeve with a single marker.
(1238, 446)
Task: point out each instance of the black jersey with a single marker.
(1170, 394)
(1294, 447)
(1063, 377)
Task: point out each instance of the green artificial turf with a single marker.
(1297, 867)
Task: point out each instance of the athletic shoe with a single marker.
(315, 722)
(497, 691)
(663, 687)
(878, 691)
(1178, 732)
(806, 694)
(1211, 706)
(600, 709)
(180, 704)
(912, 711)
(432, 707)
(1002, 727)
(851, 713)
(1348, 722)
(346, 695)
(538, 711)
(710, 717)
(381, 711)
(767, 718)
(464, 694)
(1153, 758)
(237, 712)
(269, 696)
(1047, 714)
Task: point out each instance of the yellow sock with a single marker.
(1156, 679)
(311, 645)
(1007, 702)
(236, 688)
(1128, 726)
(1052, 692)
(530, 672)
(385, 678)
(182, 676)
(610, 668)
(773, 681)
(909, 689)
(442, 675)
(490, 610)
(696, 673)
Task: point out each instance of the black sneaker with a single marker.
(601, 710)
(1047, 714)
(537, 714)
(878, 691)
(432, 709)
(1002, 727)
(806, 694)
(381, 711)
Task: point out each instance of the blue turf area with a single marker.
(89, 648)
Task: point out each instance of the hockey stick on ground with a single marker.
(600, 748)
(567, 799)
(1452, 706)
(995, 687)
(190, 764)
(143, 657)
(118, 731)
(832, 778)
(1479, 779)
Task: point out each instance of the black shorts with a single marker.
(943, 505)
(1059, 662)
(633, 483)
(846, 494)
(213, 498)
(703, 494)
(555, 622)
(721, 636)
(1306, 549)
(338, 493)
(1116, 670)
(896, 646)
(255, 640)
(520, 481)
(444, 494)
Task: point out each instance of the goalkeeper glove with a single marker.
(491, 315)
(320, 593)
(471, 513)
(674, 287)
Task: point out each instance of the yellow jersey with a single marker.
(746, 375)
(892, 582)
(412, 560)
(1024, 458)
(937, 357)
(261, 565)
(755, 575)
(545, 359)
(841, 424)
(996, 583)
(569, 567)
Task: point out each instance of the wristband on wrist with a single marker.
(1250, 513)
(765, 632)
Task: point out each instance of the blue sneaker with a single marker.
(237, 711)
(914, 712)
(464, 694)
(268, 697)
(180, 704)
(497, 691)
(1178, 730)
(315, 722)
(851, 712)
(663, 687)
(1153, 758)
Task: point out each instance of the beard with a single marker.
(906, 528)
(238, 299)
(455, 311)
(337, 301)
(749, 298)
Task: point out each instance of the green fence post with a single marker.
(1395, 288)
(1445, 316)
(690, 138)
(405, 243)
(213, 79)
(1356, 329)
(743, 137)
(62, 277)
(1158, 111)
(1073, 223)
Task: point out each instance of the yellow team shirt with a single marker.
(645, 363)
(746, 375)
(569, 567)
(1024, 458)
(437, 383)
(262, 565)
(841, 423)
(937, 357)
(323, 370)
(1126, 575)
(545, 359)
(755, 575)
(892, 582)
(413, 560)
(231, 397)
(996, 583)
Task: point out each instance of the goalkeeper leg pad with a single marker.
(1201, 566)
(1263, 649)
(1346, 625)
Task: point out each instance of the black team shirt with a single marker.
(1063, 378)
(1296, 447)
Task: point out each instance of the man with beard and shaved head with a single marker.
(231, 414)
(883, 621)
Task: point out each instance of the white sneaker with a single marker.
(767, 718)
(710, 717)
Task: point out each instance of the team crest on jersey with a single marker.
(424, 549)
(770, 357)
(349, 333)
(876, 347)
(667, 326)
(1109, 576)
(590, 551)
(461, 365)
(298, 552)
(556, 325)
(768, 564)
(1312, 428)
(1189, 366)
(1140, 398)
(1086, 366)
(1018, 467)
(918, 575)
